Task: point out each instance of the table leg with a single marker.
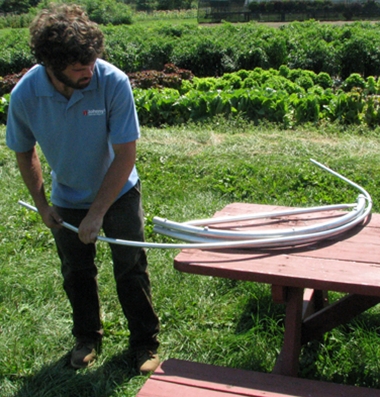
(288, 361)
(337, 313)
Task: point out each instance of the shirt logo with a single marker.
(94, 112)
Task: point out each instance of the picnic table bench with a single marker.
(178, 378)
(300, 277)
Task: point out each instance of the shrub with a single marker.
(276, 51)
(360, 54)
(213, 51)
(255, 57)
(204, 57)
(109, 12)
(155, 55)
(284, 71)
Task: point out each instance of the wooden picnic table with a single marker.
(300, 276)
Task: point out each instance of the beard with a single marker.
(77, 85)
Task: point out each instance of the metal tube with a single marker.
(216, 239)
(274, 214)
(185, 228)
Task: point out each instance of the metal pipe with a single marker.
(274, 214)
(185, 228)
(216, 239)
(263, 243)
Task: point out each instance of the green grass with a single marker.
(187, 173)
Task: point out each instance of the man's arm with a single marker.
(30, 169)
(114, 180)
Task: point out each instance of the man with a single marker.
(81, 111)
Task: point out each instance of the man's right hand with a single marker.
(50, 217)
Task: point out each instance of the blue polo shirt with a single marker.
(75, 135)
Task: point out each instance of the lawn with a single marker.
(187, 172)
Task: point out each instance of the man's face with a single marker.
(76, 76)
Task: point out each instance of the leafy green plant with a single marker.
(346, 108)
(371, 85)
(324, 80)
(264, 95)
(305, 82)
(4, 103)
(307, 108)
(204, 84)
(372, 112)
(355, 80)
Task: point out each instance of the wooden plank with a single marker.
(157, 388)
(284, 270)
(361, 244)
(181, 378)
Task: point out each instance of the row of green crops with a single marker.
(286, 97)
(338, 50)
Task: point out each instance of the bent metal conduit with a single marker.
(205, 238)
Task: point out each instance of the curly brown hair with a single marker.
(63, 35)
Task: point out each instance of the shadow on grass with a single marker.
(260, 329)
(354, 373)
(261, 312)
(59, 379)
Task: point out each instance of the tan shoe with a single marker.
(147, 361)
(84, 353)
